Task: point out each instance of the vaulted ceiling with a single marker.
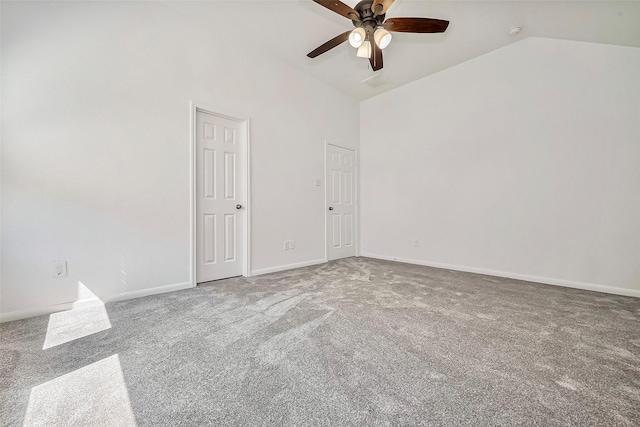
(289, 29)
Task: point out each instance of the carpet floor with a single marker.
(351, 342)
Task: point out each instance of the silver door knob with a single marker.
(238, 206)
(330, 208)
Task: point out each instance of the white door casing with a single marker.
(220, 145)
(341, 202)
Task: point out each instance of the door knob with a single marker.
(330, 208)
(238, 206)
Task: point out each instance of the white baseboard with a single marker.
(146, 292)
(526, 277)
(40, 311)
(287, 267)
(34, 312)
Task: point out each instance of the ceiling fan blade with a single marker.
(379, 7)
(339, 8)
(415, 25)
(376, 57)
(329, 45)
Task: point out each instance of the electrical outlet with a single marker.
(292, 244)
(416, 243)
(286, 245)
(60, 269)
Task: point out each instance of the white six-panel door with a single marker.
(341, 202)
(219, 197)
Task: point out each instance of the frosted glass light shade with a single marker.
(357, 37)
(364, 51)
(382, 38)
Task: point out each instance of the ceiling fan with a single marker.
(372, 32)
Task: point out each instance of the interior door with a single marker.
(219, 197)
(341, 205)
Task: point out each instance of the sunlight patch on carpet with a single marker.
(87, 317)
(95, 395)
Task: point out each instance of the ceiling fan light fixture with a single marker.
(364, 51)
(371, 26)
(356, 38)
(382, 38)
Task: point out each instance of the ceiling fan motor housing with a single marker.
(367, 18)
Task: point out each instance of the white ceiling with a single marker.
(289, 29)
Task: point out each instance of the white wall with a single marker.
(524, 162)
(95, 145)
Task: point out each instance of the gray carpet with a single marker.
(351, 342)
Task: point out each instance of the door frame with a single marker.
(356, 190)
(194, 107)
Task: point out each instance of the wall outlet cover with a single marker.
(60, 269)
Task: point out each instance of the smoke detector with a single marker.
(513, 31)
